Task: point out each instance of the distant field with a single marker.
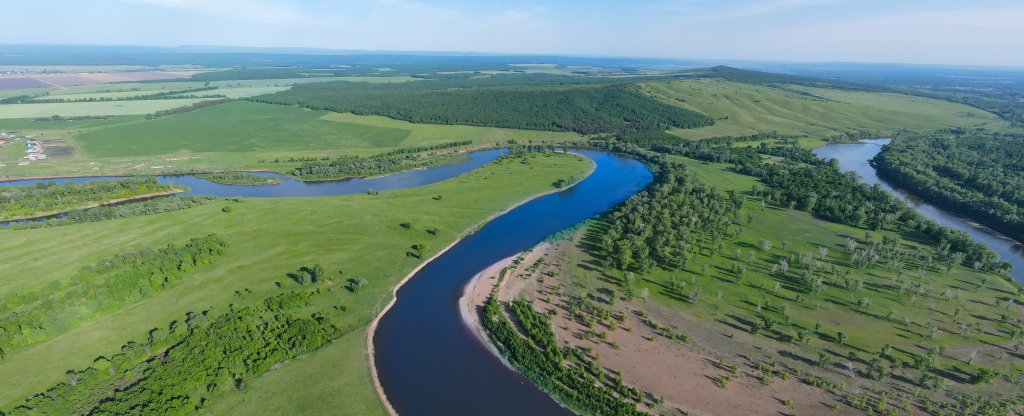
(237, 127)
(232, 136)
(107, 108)
(743, 109)
(253, 127)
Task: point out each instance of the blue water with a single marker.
(292, 188)
(431, 364)
(854, 158)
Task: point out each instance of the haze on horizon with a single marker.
(981, 33)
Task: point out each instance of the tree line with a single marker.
(111, 212)
(974, 173)
(238, 178)
(355, 166)
(188, 108)
(47, 197)
(584, 387)
(176, 94)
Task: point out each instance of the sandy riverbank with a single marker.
(683, 373)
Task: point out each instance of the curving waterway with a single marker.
(289, 187)
(292, 188)
(854, 157)
(429, 363)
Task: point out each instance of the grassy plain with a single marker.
(104, 108)
(235, 135)
(744, 109)
(359, 235)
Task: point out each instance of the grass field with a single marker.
(262, 128)
(743, 109)
(234, 136)
(106, 108)
(236, 127)
(717, 174)
(357, 234)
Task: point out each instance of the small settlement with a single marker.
(33, 148)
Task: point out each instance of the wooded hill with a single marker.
(534, 102)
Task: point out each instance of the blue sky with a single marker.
(967, 32)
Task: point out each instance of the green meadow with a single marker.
(235, 135)
(103, 108)
(357, 235)
(745, 109)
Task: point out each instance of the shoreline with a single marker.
(394, 291)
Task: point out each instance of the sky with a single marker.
(958, 32)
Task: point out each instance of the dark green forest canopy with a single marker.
(974, 173)
(582, 105)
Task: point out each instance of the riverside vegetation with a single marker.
(850, 286)
(307, 299)
(975, 173)
(46, 198)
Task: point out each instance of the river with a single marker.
(431, 364)
(292, 188)
(289, 187)
(854, 157)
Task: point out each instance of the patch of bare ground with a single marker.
(711, 373)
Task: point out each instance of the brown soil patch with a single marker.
(682, 373)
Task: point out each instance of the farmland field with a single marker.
(237, 135)
(744, 109)
(107, 108)
(359, 235)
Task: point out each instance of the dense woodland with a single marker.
(32, 316)
(668, 223)
(50, 197)
(525, 102)
(977, 174)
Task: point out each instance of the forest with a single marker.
(974, 173)
(666, 224)
(45, 198)
(523, 102)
